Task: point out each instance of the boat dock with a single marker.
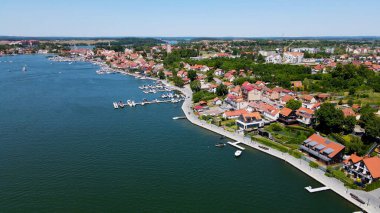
(118, 105)
(179, 117)
(311, 190)
(235, 144)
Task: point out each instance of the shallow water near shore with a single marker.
(63, 148)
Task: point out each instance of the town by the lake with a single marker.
(190, 124)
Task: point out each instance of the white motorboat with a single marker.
(238, 153)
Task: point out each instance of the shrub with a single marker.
(277, 127)
(313, 164)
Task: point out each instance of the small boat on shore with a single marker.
(238, 153)
(220, 145)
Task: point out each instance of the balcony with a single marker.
(315, 153)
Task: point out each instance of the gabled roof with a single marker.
(248, 117)
(330, 148)
(287, 98)
(285, 111)
(348, 112)
(235, 113)
(304, 110)
(373, 165)
(354, 158)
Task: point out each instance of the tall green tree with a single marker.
(178, 81)
(195, 86)
(221, 90)
(192, 75)
(161, 75)
(293, 104)
(329, 118)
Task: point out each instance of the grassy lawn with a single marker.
(270, 143)
(373, 98)
(372, 186)
(290, 136)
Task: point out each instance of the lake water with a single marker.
(63, 148)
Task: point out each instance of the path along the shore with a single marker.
(372, 199)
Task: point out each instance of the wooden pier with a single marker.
(235, 144)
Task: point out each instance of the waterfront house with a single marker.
(250, 121)
(234, 114)
(323, 149)
(287, 116)
(366, 169)
(305, 116)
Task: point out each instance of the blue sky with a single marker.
(247, 18)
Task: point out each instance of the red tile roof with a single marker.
(373, 165)
(235, 113)
(348, 112)
(337, 147)
(285, 111)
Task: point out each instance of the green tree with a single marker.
(178, 81)
(329, 118)
(161, 75)
(210, 76)
(349, 124)
(293, 104)
(195, 86)
(350, 102)
(372, 127)
(192, 75)
(221, 90)
(260, 59)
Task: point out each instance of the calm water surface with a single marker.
(63, 148)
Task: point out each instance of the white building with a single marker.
(293, 57)
(274, 59)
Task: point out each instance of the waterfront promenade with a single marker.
(371, 199)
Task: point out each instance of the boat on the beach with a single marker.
(238, 153)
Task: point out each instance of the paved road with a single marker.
(372, 199)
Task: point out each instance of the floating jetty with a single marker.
(235, 144)
(179, 117)
(311, 190)
(118, 105)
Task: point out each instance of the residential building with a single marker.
(287, 116)
(250, 121)
(323, 149)
(365, 169)
(305, 116)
